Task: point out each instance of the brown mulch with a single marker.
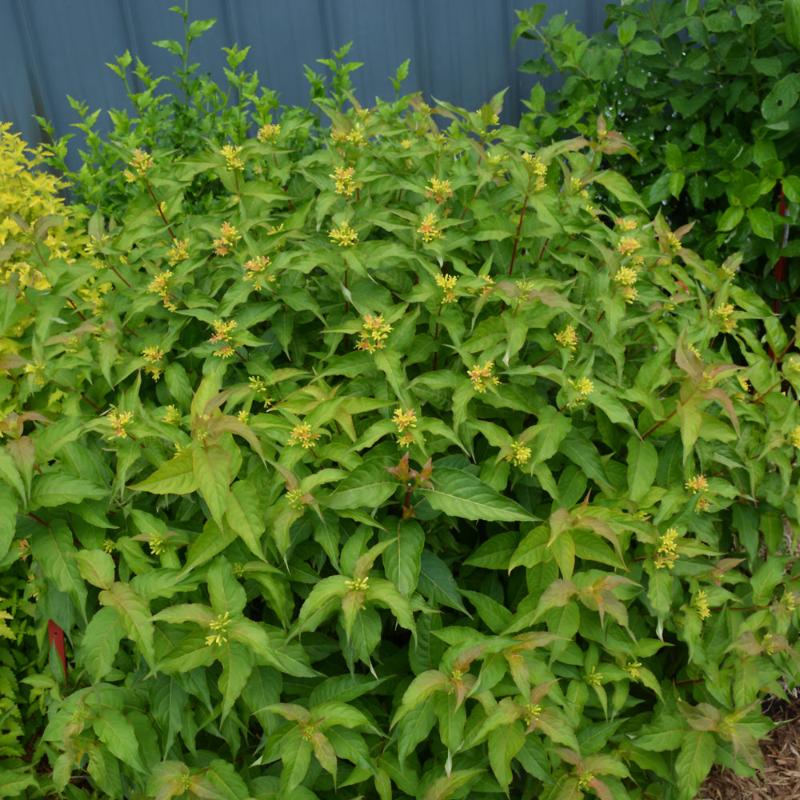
(780, 778)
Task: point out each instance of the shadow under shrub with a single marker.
(404, 468)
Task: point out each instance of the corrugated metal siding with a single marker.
(460, 49)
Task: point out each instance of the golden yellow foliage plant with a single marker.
(32, 209)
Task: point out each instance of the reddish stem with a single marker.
(55, 634)
(518, 233)
(780, 265)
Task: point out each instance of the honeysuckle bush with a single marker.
(420, 465)
(707, 93)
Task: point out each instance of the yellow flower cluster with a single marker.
(222, 335)
(344, 180)
(343, 235)
(626, 223)
(296, 499)
(482, 377)
(373, 334)
(228, 236)
(233, 157)
(567, 337)
(153, 355)
(94, 294)
(724, 313)
(357, 584)
(356, 136)
(405, 421)
(794, 436)
(302, 434)
(259, 387)
(439, 190)
(634, 669)
(673, 243)
(178, 252)
(582, 387)
(429, 228)
(628, 245)
(667, 550)
(156, 544)
(697, 484)
(219, 630)
(537, 168)
(172, 415)
(520, 454)
(254, 270)
(140, 164)
(700, 604)
(447, 283)
(626, 276)
(119, 422)
(532, 713)
(268, 132)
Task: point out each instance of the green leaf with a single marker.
(8, 519)
(225, 592)
(245, 513)
(100, 643)
(626, 31)
(642, 467)
(782, 98)
(134, 615)
(368, 486)
(761, 222)
(402, 560)
(694, 762)
(324, 600)
(460, 494)
(237, 665)
(420, 690)
(386, 594)
(437, 583)
(791, 186)
(175, 476)
(496, 552)
(116, 732)
(96, 567)
(730, 218)
(57, 489)
(620, 187)
(211, 468)
(208, 544)
(53, 550)
(446, 786)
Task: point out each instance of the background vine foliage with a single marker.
(415, 463)
(707, 93)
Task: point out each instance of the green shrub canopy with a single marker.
(413, 464)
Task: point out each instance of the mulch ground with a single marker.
(780, 778)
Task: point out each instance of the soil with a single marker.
(780, 778)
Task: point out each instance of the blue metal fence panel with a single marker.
(460, 50)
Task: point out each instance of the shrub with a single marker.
(183, 112)
(401, 468)
(31, 209)
(707, 95)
